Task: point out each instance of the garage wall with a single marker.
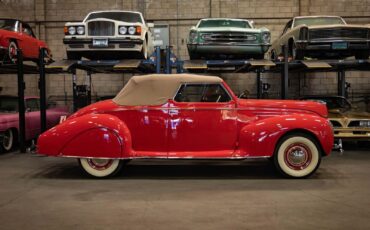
(48, 18)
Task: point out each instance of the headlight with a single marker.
(365, 123)
(266, 37)
(123, 30)
(131, 30)
(193, 36)
(72, 30)
(80, 30)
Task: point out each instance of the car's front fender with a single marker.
(261, 137)
(91, 135)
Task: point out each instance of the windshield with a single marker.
(317, 21)
(8, 104)
(7, 24)
(118, 16)
(224, 23)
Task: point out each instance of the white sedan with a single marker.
(109, 35)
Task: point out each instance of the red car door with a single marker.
(148, 128)
(202, 122)
(28, 42)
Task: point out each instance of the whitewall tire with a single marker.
(7, 142)
(297, 155)
(100, 167)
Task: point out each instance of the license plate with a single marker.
(339, 45)
(100, 42)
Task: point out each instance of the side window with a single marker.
(27, 30)
(32, 105)
(202, 93)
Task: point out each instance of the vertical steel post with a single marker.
(21, 105)
(89, 88)
(285, 75)
(42, 88)
(168, 60)
(74, 89)
(259, 84)
(158, 59)
(341, 83)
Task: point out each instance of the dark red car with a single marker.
(191, 117)
(16, 34)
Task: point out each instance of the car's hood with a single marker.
(338, 26)
(228, 29)
(349, 115)
(286, 106)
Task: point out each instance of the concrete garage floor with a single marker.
(52, 193)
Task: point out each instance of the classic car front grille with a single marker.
(357, 124)
(101, 28)
(229, 37)
(338, 33)
(336, 124)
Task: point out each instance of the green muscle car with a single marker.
(322, 37)
(215, 38)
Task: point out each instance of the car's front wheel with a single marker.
(297, 155)
(100, 167)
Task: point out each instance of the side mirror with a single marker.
(150, 25)
(252, 23)
(28, 110)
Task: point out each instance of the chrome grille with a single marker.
(229, 37)
(101, 28)
(338, 33)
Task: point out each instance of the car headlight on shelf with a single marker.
(193, 36)
(131, 30)
(80, 30)
(122, 30)
(365, 123)
(72, 30)
(266, 37)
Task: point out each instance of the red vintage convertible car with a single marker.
(16, 34)
(191, 117)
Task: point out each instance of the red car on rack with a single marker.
(191, 117)
(16, 34)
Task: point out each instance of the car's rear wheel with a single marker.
(12, 51)
(100, 167)
(7, 142)
(297, 155)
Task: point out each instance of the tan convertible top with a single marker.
(156, 89)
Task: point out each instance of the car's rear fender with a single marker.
(260, 138)
(91, 135)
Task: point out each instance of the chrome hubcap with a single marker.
(298, 156)
(100, 164)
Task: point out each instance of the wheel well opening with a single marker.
(301, 131)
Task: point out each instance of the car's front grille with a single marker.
(335, 124)
(357, 124)
(338, 33)
(100, 28)
(229, 37)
